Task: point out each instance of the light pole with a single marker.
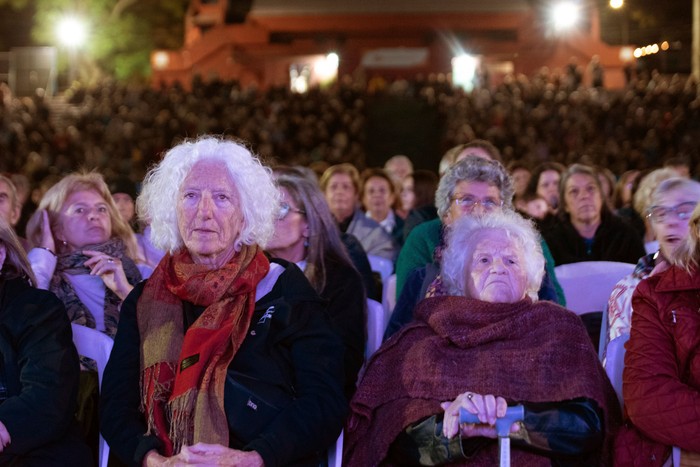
(72, 33)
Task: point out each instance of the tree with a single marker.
(123, 33)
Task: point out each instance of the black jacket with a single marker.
(615, 240)
(39, 377)
(284, 392)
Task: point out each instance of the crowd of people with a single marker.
(236, 285)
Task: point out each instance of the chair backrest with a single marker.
(376, 324)
(97, 346)
(335, 453)
(615, 363)
(389, 296)
(381, 265)
(588, 285)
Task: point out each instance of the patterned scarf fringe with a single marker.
(150, 380)
(181, 414)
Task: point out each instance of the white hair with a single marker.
(259, 198)
(461, 243)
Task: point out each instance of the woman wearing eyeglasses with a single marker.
(670, 208)
(474, 186)
(586, 229)
(306, 234)
(661, 378)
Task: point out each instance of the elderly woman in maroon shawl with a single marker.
(486, 345)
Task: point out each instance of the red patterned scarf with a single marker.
(183, 373)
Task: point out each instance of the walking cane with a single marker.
(503, 424)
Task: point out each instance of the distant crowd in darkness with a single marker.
(123, 129)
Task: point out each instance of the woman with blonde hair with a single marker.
(84, 252)
(661, 377)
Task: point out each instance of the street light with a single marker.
(565, 15)
(72, 33)
(616, 4)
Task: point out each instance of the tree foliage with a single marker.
(122, 33)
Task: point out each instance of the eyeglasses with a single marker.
(468, 203)
(682, 211)
(286, 209)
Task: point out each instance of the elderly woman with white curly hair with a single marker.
(222, 357)
(485, 345)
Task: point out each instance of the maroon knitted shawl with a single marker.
(524, 351)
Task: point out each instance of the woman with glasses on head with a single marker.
(306, 234)
(661, 378)
(671, 206)
(587, 230)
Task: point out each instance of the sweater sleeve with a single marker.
(416, 253)
(659, 404)
(121, 422)
(48, 371)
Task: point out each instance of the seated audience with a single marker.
(586, 229)
(341, 187)
(477, 147)
(10, 206)
(520, 173)
(124, 194)
(661, 377)
(380, 202)
(669, 211)
(306, 234)
(485, 345)
(222, 357)
(418, 197)
(622, 194)
(637, 214)
(545, 182)
(84, 252)
(39, 377)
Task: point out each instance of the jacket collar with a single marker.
(677, 279)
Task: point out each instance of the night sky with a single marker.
(671, 20)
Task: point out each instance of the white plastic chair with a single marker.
(335, 453)
(588, 285)
(389, 296)
(381, 265)
(96, 346)
(376, 324)
(615, 362)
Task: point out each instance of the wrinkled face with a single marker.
(497, 270)
(521, 177)
(125, 206)
(341, 196)
(290, 231)
(209, 217)
(408, 196)
(378, 197)
(84, 220)
(548, 187)
(671, 230)
(8, 209)
(582, 200)
(483, 193)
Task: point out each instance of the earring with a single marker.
(306, 242)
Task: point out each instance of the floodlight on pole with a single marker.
(565, 15)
